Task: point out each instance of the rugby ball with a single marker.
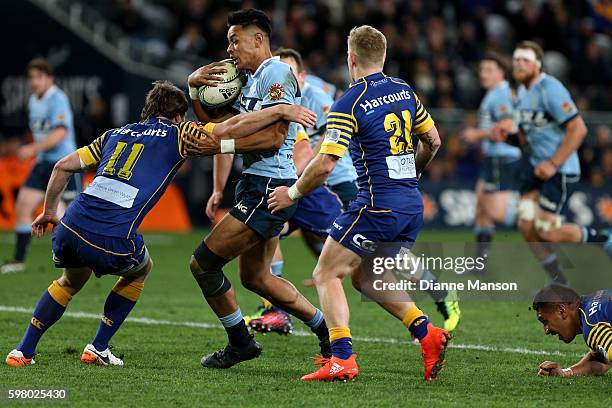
(227, 90)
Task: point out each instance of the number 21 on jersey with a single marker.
(400, 140)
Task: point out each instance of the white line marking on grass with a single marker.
(301, 333)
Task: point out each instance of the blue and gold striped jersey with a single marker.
(375, 119)
(596, 322)
(135, 165)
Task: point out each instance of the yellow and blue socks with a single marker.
(416, 321)
(49, 309)
(23, 234)
(237, 332)
(119, 303)
(341, 342)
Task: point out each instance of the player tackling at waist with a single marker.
(134, 165)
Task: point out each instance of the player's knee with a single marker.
(320, 275)
(527, 210)
(72, 283)
(207, 269)
(23, 210)
(195, 266)
(141, 275)
(254, 284)
(546, 227)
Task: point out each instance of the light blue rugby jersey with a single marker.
(47, 113)
(271, 84)
(543, 112)
(315, 99)
(495, 106)
(319, 82)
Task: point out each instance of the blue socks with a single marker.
(237, 332)
(119, 303)
(49, 309)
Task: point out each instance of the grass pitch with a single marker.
(497, 346)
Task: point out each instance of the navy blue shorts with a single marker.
(74, 247)
(361, 228)
(252, 193)
(500, 174)
(316, 212)
(554, 192)
(41, 173)
(346, 191)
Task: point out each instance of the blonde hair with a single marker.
(368, 44)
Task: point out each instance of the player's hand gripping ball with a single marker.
(226, 90)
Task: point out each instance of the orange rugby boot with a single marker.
(335, 369)
(16, 359)
(433, 347)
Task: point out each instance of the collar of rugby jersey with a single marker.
(47, 93)
(367, 78)
(264, 63)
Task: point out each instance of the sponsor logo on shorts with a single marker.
(337, 226)
(242, 208)
(362, 242)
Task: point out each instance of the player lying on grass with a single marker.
(134, 165)
(375, 119)
(566, 314)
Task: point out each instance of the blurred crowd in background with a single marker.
(435, 45)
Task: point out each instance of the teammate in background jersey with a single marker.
(316, 211)
(495, 190)
(566, 314)
(52, 127)
(329, 89)
(375, 119)
(554, 131)
(134, 166)
(250, 230)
